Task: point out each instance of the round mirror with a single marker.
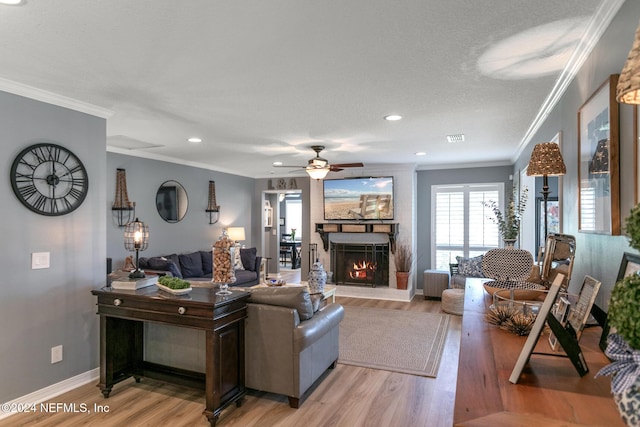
(172, 201)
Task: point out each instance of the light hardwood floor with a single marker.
(347, 396)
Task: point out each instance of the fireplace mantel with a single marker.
(391, 229)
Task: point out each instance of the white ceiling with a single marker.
(261, 81)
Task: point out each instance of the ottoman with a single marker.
(453, 301)
(434, 282)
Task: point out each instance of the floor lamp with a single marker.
(546, 160)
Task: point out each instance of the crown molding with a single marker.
(53, 98)
(161, 158)
(597, 26)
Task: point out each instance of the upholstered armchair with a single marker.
(289, 341)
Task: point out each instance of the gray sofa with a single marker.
(198, 266)
(289, 341)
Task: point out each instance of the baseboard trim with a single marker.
(53, 390)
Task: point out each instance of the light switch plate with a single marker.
(39, 260)
(56, 354)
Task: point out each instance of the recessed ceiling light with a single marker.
(459, 137)
(393, 117)
(194, 139)
(11, 2)
(421, 153)
(277, 163)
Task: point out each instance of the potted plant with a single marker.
(623, 346)
(509, 223)
(403, 258)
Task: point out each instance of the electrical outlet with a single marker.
(56, 354)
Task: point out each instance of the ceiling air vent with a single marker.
(459, 137)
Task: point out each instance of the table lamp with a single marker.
(136, 238)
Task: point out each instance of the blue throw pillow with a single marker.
(161, 263)
(191, 265)
(248, 257)
(207, 262)
(470, 267)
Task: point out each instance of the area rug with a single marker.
(393, 340)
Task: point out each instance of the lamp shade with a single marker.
(136, 236)
(546, 159)
(317, 173)
(236, 233)
(628, 89)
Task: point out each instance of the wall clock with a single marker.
(49, 179)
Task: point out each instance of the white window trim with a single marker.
(466, 187)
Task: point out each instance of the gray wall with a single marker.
(428, 178)
(170, 345)
(144, 177)
(40, 309)
(596, 255)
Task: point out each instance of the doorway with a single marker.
(282, 240)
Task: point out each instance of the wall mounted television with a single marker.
(364, 198)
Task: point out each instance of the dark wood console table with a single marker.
(122, 314)
(549, 392)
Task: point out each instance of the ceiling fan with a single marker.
(318, 167)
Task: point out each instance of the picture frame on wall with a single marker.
(598, 156)
(553, 219)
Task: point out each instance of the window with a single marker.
(461, 225)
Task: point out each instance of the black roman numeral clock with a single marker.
(49, 179)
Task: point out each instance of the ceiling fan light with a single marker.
(318, 162)
(317, 173)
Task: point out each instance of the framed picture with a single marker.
(630, 264)
(553, 219)
(598, 171)
(561, 312)
(536, 329)
(580, 311)
(282, 221)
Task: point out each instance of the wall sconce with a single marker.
(136, 238)
(123, 210)
(212, 207)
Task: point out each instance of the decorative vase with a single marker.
(629, 404)
(317, 278)
(402, 279)
(509, 243)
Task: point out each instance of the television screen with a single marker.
(358, 198)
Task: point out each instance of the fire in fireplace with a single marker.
(360, 264)
(363, 269)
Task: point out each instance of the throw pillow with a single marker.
(248, 256)
(237, 264)
(162, 264)
(207, 262)
(191, 265)
(316, 299)
(296, 297)
(470, 267)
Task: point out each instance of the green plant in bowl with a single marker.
(174, 282)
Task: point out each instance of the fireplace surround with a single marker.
(364, 264)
